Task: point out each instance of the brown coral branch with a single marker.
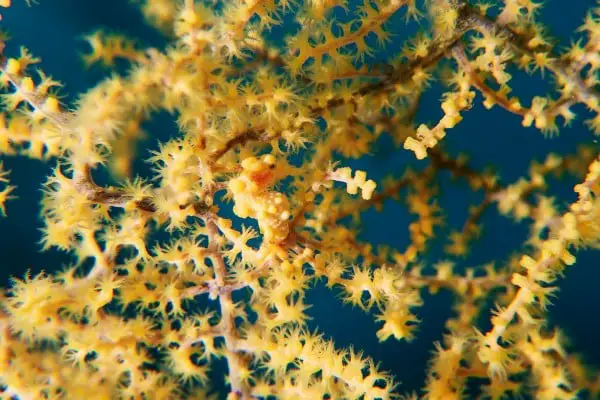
(519, 43)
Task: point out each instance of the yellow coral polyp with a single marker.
(359, 181)
(13, 66)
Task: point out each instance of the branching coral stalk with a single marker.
(541, 271)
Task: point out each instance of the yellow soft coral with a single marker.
(367, 187)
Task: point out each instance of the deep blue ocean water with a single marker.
(52, 31)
